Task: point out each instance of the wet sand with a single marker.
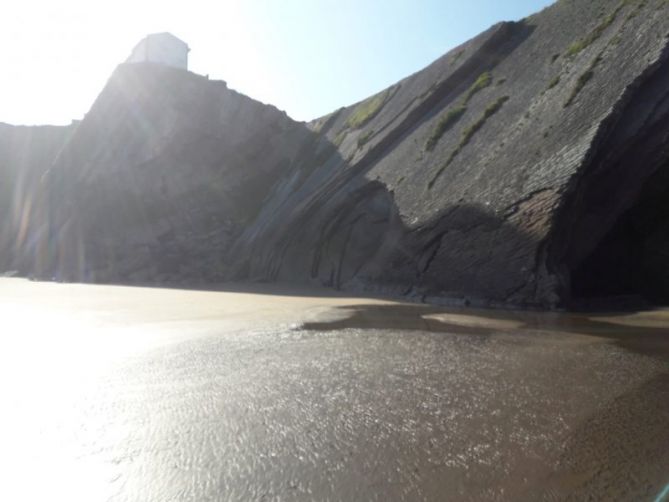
(119, 393)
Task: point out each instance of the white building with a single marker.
(161, 48)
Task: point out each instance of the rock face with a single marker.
(25, 154)
(161, 175)
(529, 166)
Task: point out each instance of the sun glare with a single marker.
(59, 54)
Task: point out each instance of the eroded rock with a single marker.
(526, 167)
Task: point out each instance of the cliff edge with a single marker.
(529, 166)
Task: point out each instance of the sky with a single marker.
(307, 57)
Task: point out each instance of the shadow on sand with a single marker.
(644, 333)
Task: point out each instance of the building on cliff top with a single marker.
(161, 48)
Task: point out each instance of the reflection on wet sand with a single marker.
(122, 394)
(616, 446)
(646, 332)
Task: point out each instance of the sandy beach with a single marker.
(125, 393)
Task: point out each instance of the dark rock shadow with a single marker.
(611, 238)
(395, 317)
(647, 340)
(353, 238)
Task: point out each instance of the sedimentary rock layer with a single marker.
(527, 166)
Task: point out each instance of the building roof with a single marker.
(165, 34)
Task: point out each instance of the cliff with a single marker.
(529, 166)
(25, 155)
(160, 177)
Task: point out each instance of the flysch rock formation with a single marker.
(529, 166)
(25, 154)
(161, 176)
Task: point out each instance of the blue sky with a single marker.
(308, 57)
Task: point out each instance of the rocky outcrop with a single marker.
(25, 155)
(495, 173)
(527, 167)
(161, 175)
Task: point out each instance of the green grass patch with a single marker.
(576, 47)
(368, 109)
(339, 139)
(484, 80)
(640, 5)
(457, 56)
(364, 138)
(597, 32)
(469, 133)
(448, 120)
(583, 79)
(324, 124)
(580, 84)
(451, 117)
(491, 110)
(553, 83)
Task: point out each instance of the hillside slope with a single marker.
(496, 172)
(529, 166)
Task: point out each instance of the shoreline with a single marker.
(640, 331)
(591, 306)
(517, 404)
